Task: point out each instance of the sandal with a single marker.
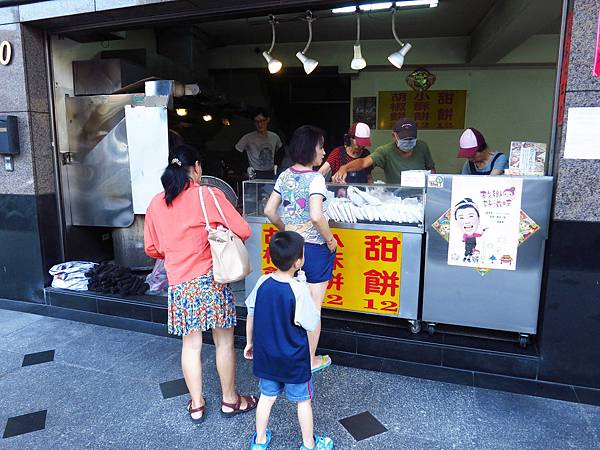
(325, 363)
(200, 409)
(251, 403)
(265, 446)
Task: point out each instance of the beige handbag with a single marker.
(229, 255)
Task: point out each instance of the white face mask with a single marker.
(406, 144)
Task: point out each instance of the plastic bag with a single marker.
(157, 279)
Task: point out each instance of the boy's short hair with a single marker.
(286, 247)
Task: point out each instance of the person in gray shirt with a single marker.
(260, 146)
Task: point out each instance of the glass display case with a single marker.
(362, 204)
(379, 230)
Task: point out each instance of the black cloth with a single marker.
(109, 278)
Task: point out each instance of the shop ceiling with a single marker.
(495, 26)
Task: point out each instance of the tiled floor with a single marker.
(75, 385)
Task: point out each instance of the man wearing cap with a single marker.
(481, 160)
(405, 153)
(355, 143)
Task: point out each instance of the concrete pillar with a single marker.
(29, 237)
(571, 315)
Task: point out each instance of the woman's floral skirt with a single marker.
(200, 304)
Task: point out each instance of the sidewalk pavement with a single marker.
(87, 386)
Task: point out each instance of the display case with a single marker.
(379, 230)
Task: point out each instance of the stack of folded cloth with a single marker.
(71, 275)
(109, 278)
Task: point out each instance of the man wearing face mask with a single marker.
(405, 153)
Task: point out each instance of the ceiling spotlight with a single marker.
(273, 64)
(397, 58)
(207, 117)
(358, 62)
(225, 121)
(308, 63)
(181, 112)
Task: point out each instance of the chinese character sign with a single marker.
(432, 110)
(366, 272)
(484, 222)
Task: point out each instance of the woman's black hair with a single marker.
(464, 204)
(304, 143)
(175, 178)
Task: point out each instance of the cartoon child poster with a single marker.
(484, 222)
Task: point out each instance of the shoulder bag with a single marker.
(229, 255)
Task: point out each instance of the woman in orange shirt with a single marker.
(175, 230)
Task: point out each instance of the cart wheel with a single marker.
(431, 329)
(523, 341)
(415, 326)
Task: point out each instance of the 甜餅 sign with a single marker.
(5, 53)
(431, 110)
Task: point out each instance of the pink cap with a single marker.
(471, 141)
(361, 133)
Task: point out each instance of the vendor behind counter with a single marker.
(406, 152)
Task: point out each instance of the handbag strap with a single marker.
(216, 204)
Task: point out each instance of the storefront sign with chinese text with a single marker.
(5, 53)
(432, 110)
(366, 273)
(485, 220)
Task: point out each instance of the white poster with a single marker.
(147, 138)
(583, 133)
(484, 222)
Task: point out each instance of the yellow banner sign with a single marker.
(432, 110)
(366, 274)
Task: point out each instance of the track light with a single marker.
(207, 117)
(181, 112)
(358, 62)
(308, 63)
(397, 58)
(273, 64)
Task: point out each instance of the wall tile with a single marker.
(9, 14)
(35, 68)
(42, 153)
(578, 179)
(21, 180)
(54, 8)
(583, 46)
(12, 78)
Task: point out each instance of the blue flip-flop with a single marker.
(325, 363)
(265, 446)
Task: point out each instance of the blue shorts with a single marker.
(318, 262)
(293, 392)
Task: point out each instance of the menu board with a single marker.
(431, 110)
(366, 274)
(527, 158)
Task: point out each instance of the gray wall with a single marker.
(28, 207)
